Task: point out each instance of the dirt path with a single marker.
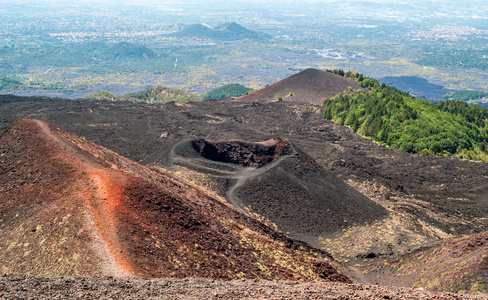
(241, 178)
(103, 200)
(237, 175)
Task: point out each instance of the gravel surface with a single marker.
(13, 286)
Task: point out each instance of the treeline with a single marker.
(349, 74)
(395, 118)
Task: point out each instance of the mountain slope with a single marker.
(429, 198)
(70, 207)
(308, 86)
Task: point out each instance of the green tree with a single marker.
(390, 116)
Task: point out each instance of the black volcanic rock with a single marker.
(70, 207)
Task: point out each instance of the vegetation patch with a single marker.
(102, 95)
(397, 119)
(466, 95)
(155, 95)
(227, 91)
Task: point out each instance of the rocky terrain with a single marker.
(432, 234)
(459, 264)
(70, 207)
(96, 287)
(429, 198)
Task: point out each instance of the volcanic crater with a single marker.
(276, 181)
(242, 153)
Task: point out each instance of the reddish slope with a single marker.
(71, 207)
(309, 86)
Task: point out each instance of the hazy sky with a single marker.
(277, 2)
(381, 9)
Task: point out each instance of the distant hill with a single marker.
(102, 95)
(226, 91)
(10, 85)
(162, 94)
(153, 95)
(197, 30)
(308, 86)
(125, 50)
(229, 31)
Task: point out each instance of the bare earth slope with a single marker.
(71, 207)
(309, 86)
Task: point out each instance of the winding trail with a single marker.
(237, 174)
(241, 178)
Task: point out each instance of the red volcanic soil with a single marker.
(71, 207)
(430, 199)
(309, 86)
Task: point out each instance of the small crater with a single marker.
(242, 153)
